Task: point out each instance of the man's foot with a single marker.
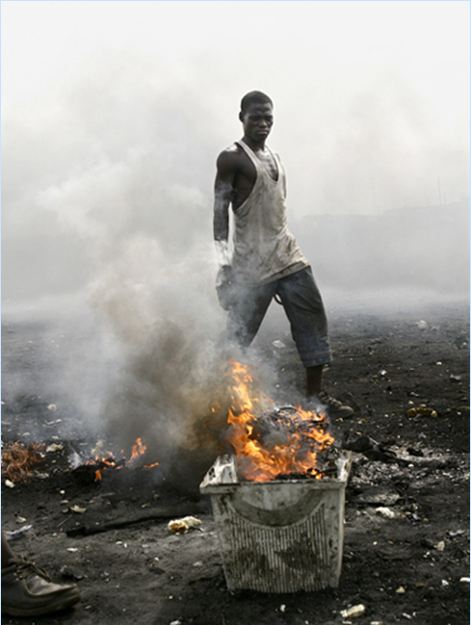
(336, 408)
(28, 591)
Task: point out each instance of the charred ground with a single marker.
(139, 573)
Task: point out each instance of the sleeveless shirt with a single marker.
(264, 248)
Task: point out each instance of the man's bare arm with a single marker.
(223, 193)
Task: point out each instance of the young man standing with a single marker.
(266, 262)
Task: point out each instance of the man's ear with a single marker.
(241, 116)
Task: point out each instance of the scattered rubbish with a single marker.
(401, 590)
(77, 509)
(53, 447)
(383, 372)
(422, 324)
(282, 608)
(445, 583)
(41, 475)
(181, 526)
(407, 616)
(354, 611)
(453, 533)
(72, 549)
(464, 580)
(440, 546)
(455, 378)
(52, 407)
(376, 622)
(175, 622)
(198, 564)
(9, 483)
(69, 573)
(20, 519)
(423, 411)
(54, 422)
(386, 513)
(439, 363)
(15, 534)
(370, 448)
(278, 344)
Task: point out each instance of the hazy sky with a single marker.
(371, 97)
(114, 113)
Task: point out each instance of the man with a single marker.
(28, 591)
(266, 262)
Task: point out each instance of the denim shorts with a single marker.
(302, 302)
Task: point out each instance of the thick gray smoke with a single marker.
(107, 226)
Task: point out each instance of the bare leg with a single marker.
(7, 553)
(313, 380)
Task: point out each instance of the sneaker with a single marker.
(27, 590)
(336, 408)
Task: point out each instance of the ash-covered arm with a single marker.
(223, 192)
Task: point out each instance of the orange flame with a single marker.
(290, 450)
(108, 461)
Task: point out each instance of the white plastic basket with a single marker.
(280, 536)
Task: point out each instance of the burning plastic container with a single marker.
(278, 536)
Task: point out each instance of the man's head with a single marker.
(256, 115)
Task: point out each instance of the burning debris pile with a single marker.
(93, 469)
(272, 443)
(18, 460)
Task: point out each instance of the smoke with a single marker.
(108, 200)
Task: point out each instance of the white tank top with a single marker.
(264, 248)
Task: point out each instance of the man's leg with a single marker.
(248, 311)
(314, 380)
(304, 308)
(27, 589)
(7, 553)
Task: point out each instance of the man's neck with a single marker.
(254, 145)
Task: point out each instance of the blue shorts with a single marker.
(300, 297)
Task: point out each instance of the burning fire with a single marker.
(108, 460)
(18, 460)
(271, 442)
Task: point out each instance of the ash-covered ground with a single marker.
(404, 565)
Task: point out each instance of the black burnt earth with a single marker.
(407, 513)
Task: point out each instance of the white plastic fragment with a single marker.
(72, 549)
(401, 590)
(278, 344)
(181, 526)
(176, 623)
(440, 546)
(354, 611)
(386, 513)
(52, 407)
(77, 509)
(53, 447)
(464, 580)
(9, 483)
(422, 324)
(445, 583)
(282, 608)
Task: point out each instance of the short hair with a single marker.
(254, 97)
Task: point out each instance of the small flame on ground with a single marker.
(108, 461)
(293, 451)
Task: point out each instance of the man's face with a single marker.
(257, 120)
